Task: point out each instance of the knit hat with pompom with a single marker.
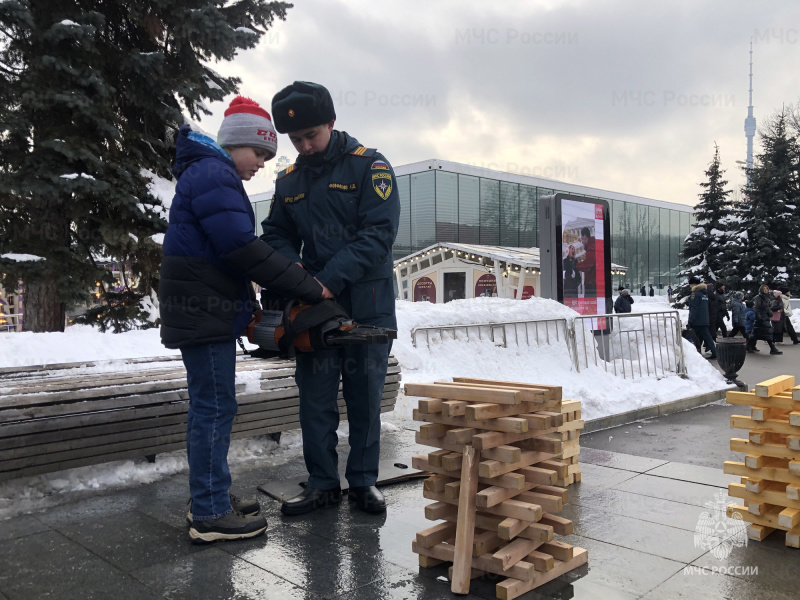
(247, 124)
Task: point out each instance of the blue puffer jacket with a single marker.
(211, 253)
(698, 306)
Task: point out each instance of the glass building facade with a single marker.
(442, 201)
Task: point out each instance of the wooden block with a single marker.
(506, 454)
(577, 477)
(430, 405)
(766, 449)
(525, 394)
(494, 495)
(510, 424)
(773, 386)
(539, 475)
(776, 402)
(537, 421)
(769, 471)
(510, 528)
(558, 550)
(427, 562)
(513, 552)
(757, 437)
(774, 497)
(794, 467)
(557, 419)
(758, 532)
(440, 510)
(445, 553)
(793, 442)
(551, 504)
(568, 480)
(435, 458)
(471, 394)
(753, 461)
(555, 390)
(561, 470)
(512, 588)
(542, 444)
(793, 492)
(493, 468)
(431, 536)
(452, 490)
(460, 435)
(512, 481)
(560, 492)
(571, 452)
(483, 411)
(560, 525)
(541, 562)
(465, 528)
(436, 483)
(773, 425)
(757, 508)
(432, 431)
(568, 406)
(794, 418)
(789, 518)
(492, 439)
(793, 539)
(454, 408)
(754, 486)
(485, 541)
(538, 532)
(452, 461)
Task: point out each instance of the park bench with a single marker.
(56, 417)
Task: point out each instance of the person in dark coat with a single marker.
(643, 290)
(206, 300)
(572, 277)
(698, 314)
(749, 319)
(652, 291)
(623, 302)
(762, 326)
(339, 203)
(738, 320)
(720, 298)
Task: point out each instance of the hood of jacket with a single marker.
(191, 147)
(698, 287)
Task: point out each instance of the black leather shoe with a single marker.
(311, 499)
(368, 498)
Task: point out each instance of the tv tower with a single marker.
(750, 121)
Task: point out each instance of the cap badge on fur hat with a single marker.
(291, 112)
(247, 124)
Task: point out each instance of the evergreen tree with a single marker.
(701, 252)
(770, 224)
(92, 92)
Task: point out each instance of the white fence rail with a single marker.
(631, 345)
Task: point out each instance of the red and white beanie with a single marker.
(247, 124)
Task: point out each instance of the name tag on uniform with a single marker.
(343, 187)
(293, 199)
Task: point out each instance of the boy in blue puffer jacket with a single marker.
(211, 255)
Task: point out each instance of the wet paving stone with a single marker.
(214, 573)
(319, 565)
(402, 584)
(671, 489)
(20, 527)
(600, 476)
(43, 565)
(131, 540)
(618, 460)
(695, 474)
(691, 586)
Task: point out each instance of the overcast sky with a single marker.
(621, 95)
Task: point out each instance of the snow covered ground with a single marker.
(602, 393)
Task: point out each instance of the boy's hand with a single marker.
(326, 293)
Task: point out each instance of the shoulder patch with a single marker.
(380, 165)
(285, 172)
(363, 151)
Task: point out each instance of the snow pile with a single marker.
(602, 393)
(21, 257)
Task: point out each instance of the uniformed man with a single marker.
(339, 204)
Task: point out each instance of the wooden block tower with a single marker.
(770, 484)
(499, 456)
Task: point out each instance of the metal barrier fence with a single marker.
(541, 332)
(631, 345)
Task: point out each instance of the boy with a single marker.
(211, 254)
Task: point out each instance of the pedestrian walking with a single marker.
(643, 290)
(777, 317)
(652, 291)
(762, 325)
(787, 314)
(669, 294)
(623, 302)
(698, 314)
(739, 315)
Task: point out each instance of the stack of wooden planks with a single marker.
(493, 485)
(568, 434)
(770, 484)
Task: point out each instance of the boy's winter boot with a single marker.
(233, 526)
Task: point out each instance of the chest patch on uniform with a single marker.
(382, 184)
(293, 199)
(344, 187)
(379, 165)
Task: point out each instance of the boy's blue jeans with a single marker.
(211, 375)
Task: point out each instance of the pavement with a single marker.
(761, 366)
(644, 488)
